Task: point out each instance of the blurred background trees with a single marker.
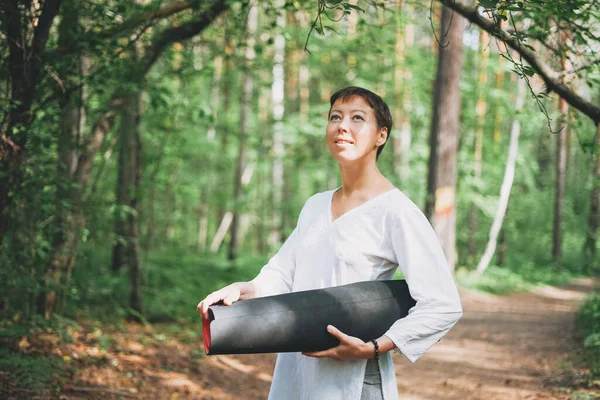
(152, 151)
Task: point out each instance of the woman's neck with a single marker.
(362, 181)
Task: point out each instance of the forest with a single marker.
(152, 151)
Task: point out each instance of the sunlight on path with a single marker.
(505, 347)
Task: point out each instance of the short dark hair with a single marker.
(380, 108)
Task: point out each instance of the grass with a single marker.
(502, 280)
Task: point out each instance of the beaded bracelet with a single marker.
(374, 341)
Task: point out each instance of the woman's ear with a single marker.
(382, 138)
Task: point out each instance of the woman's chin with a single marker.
(345, 159)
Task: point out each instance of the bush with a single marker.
(173, 283)
(588, 320)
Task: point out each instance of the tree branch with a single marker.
(183, 32)
(551, 78)
(93, 143)
(137, 20)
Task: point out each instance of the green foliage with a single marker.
(513, 277)
(34, 369)
(588, 321)
(175, 282)
(35, 374)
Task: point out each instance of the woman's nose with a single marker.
(344, 124)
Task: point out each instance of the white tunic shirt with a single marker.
(368, 242)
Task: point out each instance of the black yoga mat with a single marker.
(297, 322)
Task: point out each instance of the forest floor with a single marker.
(516, 346)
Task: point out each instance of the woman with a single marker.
(360, 231)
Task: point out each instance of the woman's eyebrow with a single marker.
(355, 110)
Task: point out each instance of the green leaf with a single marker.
(527, 70)
(349, 6)
(488, 3)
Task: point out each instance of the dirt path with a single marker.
(505, 347)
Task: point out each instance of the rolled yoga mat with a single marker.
(297, 322)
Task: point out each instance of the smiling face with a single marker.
(353, 132)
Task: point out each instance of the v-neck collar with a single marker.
(332, 221)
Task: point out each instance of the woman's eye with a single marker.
(359, 117)
(334, 117)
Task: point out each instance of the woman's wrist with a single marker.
(384, 345)
(375, 349)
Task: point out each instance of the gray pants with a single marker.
(372, 389)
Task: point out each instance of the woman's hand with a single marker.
(350, 348)
(228, 295)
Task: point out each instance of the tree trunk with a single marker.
(263, 180)
(405, 128)
(478, 155)
(441, 181)
(277, 93)
(304, 92)
(210, 183)
(497, 113)
(24, 72)
(126, 253)
(502, 241)
(509, 174)
(246, 109)
(292, 57)
(402, 76)
(221, 231)
(559, 194)
(591, 239)
(69, 216)
(221, 162)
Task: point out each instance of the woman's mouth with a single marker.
(343, 142)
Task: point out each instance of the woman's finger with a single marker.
(337, 333)
(320, 354)
(207, 302)
(229, 299)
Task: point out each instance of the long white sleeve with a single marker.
(421, 260)
(277, 276)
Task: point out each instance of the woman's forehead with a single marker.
(351, 103)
